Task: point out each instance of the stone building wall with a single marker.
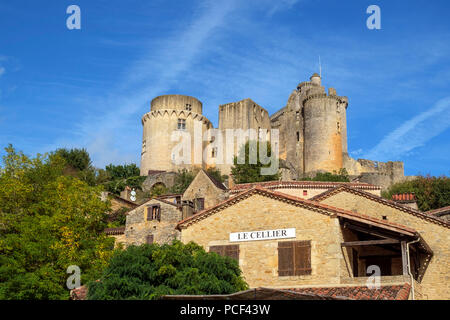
(138, 228)
(435, 284)
(258, 260)
(161, 122)
(203, 187)
(245, 114)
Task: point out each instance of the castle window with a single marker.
(298, 136)
(305, 192)
(188, 107)
(181, 124)
(214, 152)
(294, 258)
(338, 127)
(231, 251)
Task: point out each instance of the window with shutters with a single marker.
(294, 258)
(231, 251)
(154, 212)
(200, 204)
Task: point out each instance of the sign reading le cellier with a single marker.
(262, 235)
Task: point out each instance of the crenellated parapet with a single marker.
(175, 113)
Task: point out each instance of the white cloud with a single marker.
(116, 118)
(413, 133)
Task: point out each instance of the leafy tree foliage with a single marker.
(245, 173)
(216, 174)
(150, 271)
(341, 176)
(431, 192)
(78, 159)
(48, 221)
(183, 179)
(122, 171)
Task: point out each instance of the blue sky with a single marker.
(90, 87)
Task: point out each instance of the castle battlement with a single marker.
(312, 132)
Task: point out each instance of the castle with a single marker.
(312, 134)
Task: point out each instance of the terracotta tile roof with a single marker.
(115, 231)
(390, 203)
(439, 212)
(316, 206)
(302, 184)
(388, 292)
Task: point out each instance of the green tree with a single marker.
(150, 271)
(122, 171)
(431, 192)
(48, 221)
(341, 176)
(216, 174)
(78, 159)
(183, 179)
(247, 172)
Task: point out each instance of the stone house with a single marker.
(287, 242)
(153, 221)
(203, 192)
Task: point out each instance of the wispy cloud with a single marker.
(104, 133)
(413, 133)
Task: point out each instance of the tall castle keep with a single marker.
(312, 134)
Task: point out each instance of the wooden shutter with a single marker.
(285, 258)
(148, 213)
(149, 239)
(217, 249)
(200, 203)
(302, 257)
(232, 251)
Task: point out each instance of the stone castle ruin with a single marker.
(312, 134)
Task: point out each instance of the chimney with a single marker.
(406, 199)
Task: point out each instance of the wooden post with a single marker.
(404, 258)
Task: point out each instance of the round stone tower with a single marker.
(325, 128)
(169, 114)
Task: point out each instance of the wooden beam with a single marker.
(404, 258)
(368, 242)
(371, 232)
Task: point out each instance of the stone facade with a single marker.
(260, 209)
(204, 187)
(436, 281)
(138, 227)
(169, 114)
(312, 135)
